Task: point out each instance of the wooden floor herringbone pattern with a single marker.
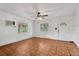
(39, 47)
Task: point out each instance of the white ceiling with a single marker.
(28, 10)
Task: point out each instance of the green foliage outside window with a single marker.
(22, 28)
(44, 27)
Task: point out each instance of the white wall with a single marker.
(76, 28)
(65, 32)
(51, 28)
(10, 34)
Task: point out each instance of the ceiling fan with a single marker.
(37, 13)
(40, 16)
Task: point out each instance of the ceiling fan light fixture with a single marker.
(39, 18)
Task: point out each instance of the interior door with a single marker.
(65, 30)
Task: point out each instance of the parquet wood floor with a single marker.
(39, 47)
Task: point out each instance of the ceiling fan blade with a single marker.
(45, 15)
